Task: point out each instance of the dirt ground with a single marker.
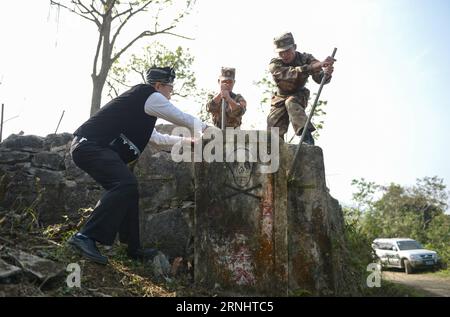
(121, 277)
(432, 284)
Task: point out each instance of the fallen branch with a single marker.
(41, 247)
(38, 237)
(7, 241)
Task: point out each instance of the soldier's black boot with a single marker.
(308, 137)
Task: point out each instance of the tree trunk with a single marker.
(98, 80)
(103, 14)
(97, 88)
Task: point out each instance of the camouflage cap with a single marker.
(227, 73)
(283, 42)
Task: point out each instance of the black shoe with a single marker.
(88, 249)
(308, 137)
(146, 254)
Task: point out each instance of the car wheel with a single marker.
(408, 267)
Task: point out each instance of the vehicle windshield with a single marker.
(409, 245)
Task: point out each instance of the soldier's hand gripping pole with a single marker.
(224, 114)
(297, 151)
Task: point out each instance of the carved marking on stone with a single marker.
(242, 171)
(235, 256)
(267, 211)
(242, 174)
(239, 191)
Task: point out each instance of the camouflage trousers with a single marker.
(289, 108)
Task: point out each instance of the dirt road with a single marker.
(430, 283)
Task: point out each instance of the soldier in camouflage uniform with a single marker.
(290, 72)
(235, 103)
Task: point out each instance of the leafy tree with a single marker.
(438, 236)
(417, 212)
(410, 210)
(110, 17)
(125, 76)
(268, 88)
(364, 195)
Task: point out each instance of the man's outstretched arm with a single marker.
(159, 106)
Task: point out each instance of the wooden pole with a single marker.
(62, 115)
(1, 123)
(291, 170)
(224, 114)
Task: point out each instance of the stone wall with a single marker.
(318, 256)
(269, 235)
(291, 232)
(37, 175)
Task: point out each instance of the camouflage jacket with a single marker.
(234, 118)
(290, 80)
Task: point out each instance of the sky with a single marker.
(388, 107)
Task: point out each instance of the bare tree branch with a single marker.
(118, 15)
(79, 4)
(182, 86)
(148, 33)
(139, 72)
(112, 88)
(94, 9)
(120, 82)
(178, 35)
(131, 14)
(96, 21)
(94, 17)
(178, 92)
(143, 34)
(156, 18)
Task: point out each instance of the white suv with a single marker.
(404, 253)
